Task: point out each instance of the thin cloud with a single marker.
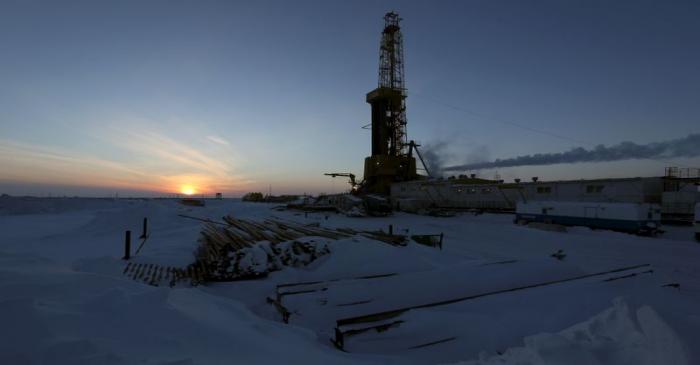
(218, 140)
(172, 153)
(161, 164)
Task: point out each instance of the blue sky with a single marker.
(138, 97)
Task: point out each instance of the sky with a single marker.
(154, 98)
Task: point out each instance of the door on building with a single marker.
(590, 212)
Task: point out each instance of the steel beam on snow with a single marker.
(389, 314)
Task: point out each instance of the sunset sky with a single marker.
(157, 97)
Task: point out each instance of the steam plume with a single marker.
(437, 153)
(434, 156)
(688, 146)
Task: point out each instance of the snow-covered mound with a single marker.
(618, 335)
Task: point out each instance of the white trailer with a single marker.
(628, 217)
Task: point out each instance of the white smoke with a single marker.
(437, 154)
(688, 146)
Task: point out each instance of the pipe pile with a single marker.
(246, 249)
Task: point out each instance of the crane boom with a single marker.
(349, 175)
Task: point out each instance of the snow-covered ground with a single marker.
(64, 299)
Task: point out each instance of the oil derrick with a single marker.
(391, 158)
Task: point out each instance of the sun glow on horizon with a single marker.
(188, 190)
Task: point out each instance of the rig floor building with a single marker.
(676, 192)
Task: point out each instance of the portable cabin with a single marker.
(627, 217)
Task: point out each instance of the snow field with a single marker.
(64, 299)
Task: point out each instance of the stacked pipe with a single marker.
(239, 249)
(245, 249)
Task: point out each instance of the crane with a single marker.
(354, 185)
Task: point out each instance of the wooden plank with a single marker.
(395, 312)
(433, 343)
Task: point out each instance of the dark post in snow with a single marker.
(391, 229)
(441, 236)
(127, 245)
(145, 228)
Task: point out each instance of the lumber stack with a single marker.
(244, 249)
(238, 249)
(158, 275)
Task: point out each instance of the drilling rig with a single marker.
(392, 153)
(391, 158)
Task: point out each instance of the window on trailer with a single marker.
(594, 189)
(544, 189)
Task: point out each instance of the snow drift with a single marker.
(618, 336)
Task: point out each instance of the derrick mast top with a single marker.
(391, 54)
(387, 100)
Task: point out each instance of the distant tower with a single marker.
(391, 158)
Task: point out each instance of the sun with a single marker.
(188, 190)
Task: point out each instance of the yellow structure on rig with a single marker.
(392, 154)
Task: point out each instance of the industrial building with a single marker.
(676, 192)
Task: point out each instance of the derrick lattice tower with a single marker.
(391, 78)
(391, 158)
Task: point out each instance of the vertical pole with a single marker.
(339, 340)
(391, 229)
(144, 233)
(441, 235)
(127, 245)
